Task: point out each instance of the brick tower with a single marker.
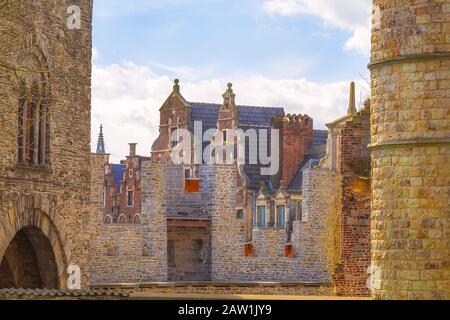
(410, 147)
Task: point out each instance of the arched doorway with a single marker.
(29, 262)
(33, 234)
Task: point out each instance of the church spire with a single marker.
(101, 142)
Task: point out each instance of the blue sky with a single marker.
(294, 51)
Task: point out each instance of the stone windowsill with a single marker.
(37, 169)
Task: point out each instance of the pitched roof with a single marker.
(257, 116)
(297, 182)
(320, 137)
(248, 116)
(251, 117)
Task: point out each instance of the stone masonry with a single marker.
(410, 68)
(45, 173)
(134, 252)
(268, 261)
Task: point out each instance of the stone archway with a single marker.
(29, 262)
(33, 253)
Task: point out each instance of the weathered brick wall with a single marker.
(134, 253)
(175, 112)
(268, 262)
(410, 150)
(354, 175)
(61, 191)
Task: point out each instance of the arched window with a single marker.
(122, 219)
(137, 219)
(33, 112)
(108, 219)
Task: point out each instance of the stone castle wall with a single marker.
(268, 261)
(135, 253)
(309, 238)
(54, 199)
(189, 253)
(410, 149)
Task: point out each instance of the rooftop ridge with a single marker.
(239, 105)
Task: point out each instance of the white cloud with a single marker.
(351, 15)
(127, 98)
(95, 54)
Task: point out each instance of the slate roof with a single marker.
(320, 137)
(41, 294)
(252, 118)
(117, 170)
(297, 182)
(248, 116)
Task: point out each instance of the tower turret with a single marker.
(410, 68)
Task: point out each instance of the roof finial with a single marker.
(101, 142)
(230, 87)
(352, 102)
(176, 86)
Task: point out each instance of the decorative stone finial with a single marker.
(229, 97)
(352, 102)
(263, 188)
(176, 86)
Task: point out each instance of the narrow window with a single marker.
(130, 198)
(240, 214)
(261, 216)
(281, 216)
(174, 137)
(33, 129)
(225, 136)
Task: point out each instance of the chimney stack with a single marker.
(133, 149)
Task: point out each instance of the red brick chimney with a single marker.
(296, 137)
